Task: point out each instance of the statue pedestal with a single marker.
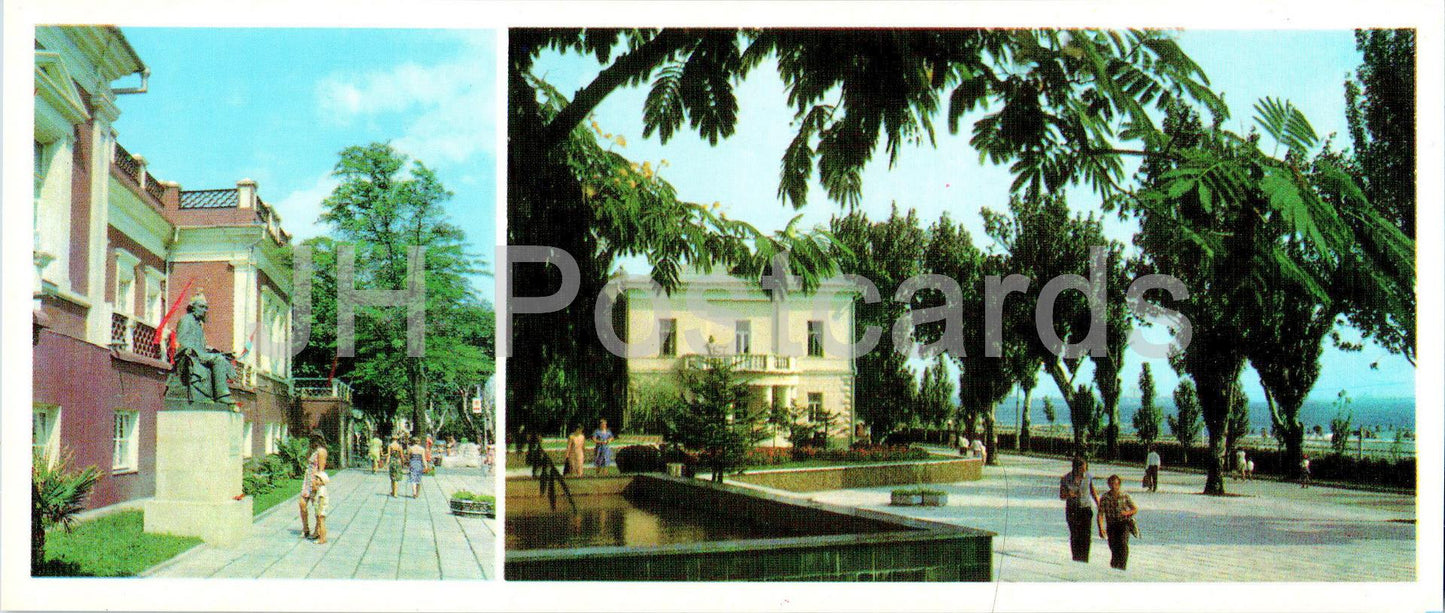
(198, 474)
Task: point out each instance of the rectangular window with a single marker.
(669, 337)
(743, 338)
(44, 431)
(246, 440)
(815, 339)
(124, 458)
(272, 433)
(816, 414)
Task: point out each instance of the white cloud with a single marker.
(301, 210)
(450, 105)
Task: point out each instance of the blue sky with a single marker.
(741, 173)
(277, 105)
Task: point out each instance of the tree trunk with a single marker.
(420, 424)
(990, 440)
(1294, 448)
(1023, 436)
(1111, 432)
(1214, 484)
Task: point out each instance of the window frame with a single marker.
(815, 407)
(667, 338)
(52, 434)
(815, 338)
(130, 463)
(743, 337)
(248, 434)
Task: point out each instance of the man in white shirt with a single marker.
(1151, 470)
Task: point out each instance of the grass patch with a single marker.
(284, 490)
(112, 545)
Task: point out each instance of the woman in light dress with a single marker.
(603, 439)
(315, 463)
(576, 446)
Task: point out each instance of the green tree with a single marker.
(1341, 425)
(935, 397)
(1184, 424)
(1237, 425)
(1049, 413)
(1146, 419)
(886, 253)
(1084, 414)
(1026, 373)
(1243, 229)
(1055, 107)
(1381, 116)
(718, 415)
(57, 494)
(383, 207)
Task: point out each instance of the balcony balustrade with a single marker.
(747, 362)
(128, 334)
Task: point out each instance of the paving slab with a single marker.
(370, 535)
(1263, 531)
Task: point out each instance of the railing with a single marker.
(748, 362)
(209, 199)
(128, 334)
(119, 331)
(155, 189)
(143, 341)
(245, 376)
(319, 387)
(127, 163)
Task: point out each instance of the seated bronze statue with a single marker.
(199, 373)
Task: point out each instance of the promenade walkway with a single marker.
(1263, 531)
(370, 536)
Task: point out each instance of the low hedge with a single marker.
(1267, 461)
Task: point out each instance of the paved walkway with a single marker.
(1266, 531)
(369, 536)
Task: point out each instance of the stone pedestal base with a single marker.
(198, 475)
(218, 523)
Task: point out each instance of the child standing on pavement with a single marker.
(320, 499)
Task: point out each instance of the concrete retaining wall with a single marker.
(877, 475)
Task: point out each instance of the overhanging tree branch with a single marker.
(636, 63)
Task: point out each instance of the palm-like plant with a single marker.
(57, 495)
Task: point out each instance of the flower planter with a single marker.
(906, 499)
(473, 507)
(934, 500)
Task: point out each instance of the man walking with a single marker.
(1076, 489)
(1151, 469)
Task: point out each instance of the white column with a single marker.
(97, 320)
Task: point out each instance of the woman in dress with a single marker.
(395, 462)
(576, 445)
(603, 438)
(418, 465)
(315, 463)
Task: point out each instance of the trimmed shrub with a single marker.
(640, 459)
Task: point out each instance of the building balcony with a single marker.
(319, 387)
(130, 335)
(746, 362)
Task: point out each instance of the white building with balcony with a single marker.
(794, 349)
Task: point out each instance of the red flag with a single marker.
(171, 313)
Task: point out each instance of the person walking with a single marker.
(315, 462)
(1116, 513)
(417, 465)
(576, 447)
(1076, 489)
(1152, 463)
(1249, 470)
(1304, 472)
(373, 451)
(395, 462)
(322, 503)
(603, 438)
(979, 450)
(1240, 461)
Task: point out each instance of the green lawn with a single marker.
(115, 545)
(284, 491)
(109, 546)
